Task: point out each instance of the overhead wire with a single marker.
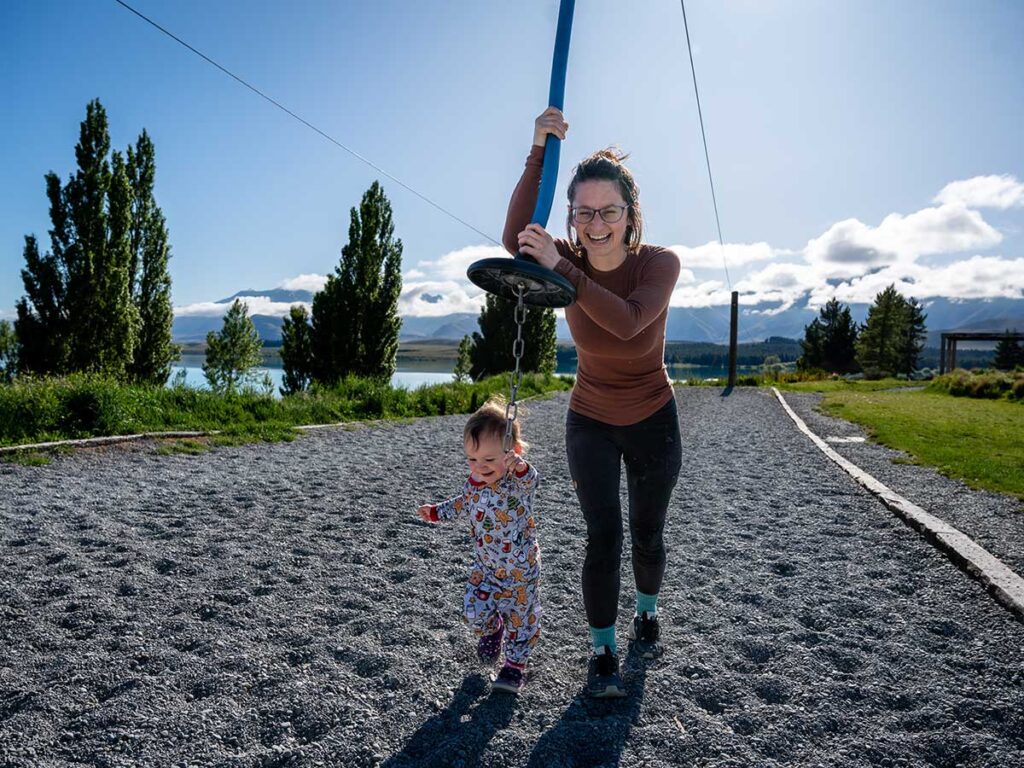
(305, 122)
(707, 156)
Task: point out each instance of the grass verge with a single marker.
(978, 441)
(81, 406)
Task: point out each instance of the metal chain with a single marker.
(512, 409)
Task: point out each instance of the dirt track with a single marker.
(281, 605)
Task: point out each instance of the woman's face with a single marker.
(598, 236)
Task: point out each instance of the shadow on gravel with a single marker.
(593, 732)
(727, 391)
(458, 736)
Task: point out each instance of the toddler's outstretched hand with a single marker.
(424, 513)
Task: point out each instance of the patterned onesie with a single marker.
(505, 578)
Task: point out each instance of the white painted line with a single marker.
(835, 439)
(1004, 584)
(88, 441)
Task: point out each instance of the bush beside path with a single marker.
(280, 604)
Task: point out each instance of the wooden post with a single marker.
(732, 338)
(942, 355)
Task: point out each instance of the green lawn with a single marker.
(842, 385)
(978, 441)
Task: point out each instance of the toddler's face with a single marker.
(485, 459)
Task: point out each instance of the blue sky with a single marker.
(853, 143)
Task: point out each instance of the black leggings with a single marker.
(653, 455)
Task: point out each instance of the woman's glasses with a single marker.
(610, 214)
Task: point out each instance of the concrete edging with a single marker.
(1004, 584)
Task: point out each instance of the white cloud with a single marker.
(437, 298)
(984, 192)
(979, 277)
(709, 255)
(781, 283)
(413, 274)
(851, 248)
(257, 305)
(710, 293)
(312, 283)
(453, 265)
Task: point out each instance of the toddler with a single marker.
(502, 597)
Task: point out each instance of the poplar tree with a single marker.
(464, 362)
(379, 283)
(355, 317)
(8, 352)
(296, 350)
(78, 313)
(233, 352)
(150, 280)
(492, 347)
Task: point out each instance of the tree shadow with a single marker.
(459, 734)
(593, 732)
(727, 391)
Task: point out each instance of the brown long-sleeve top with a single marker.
(618, 319)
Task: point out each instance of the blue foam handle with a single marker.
(556, 97)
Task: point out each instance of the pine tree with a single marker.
(881, 347)
(913, 336)
(232, 353)
(464, 363)
(492, 347)
(1009, 354)
(355, 316)
(296, 350)
(812, 346)
(77, 314)
(829, 341)
(839, 338)
(149, 278)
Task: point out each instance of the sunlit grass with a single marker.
(978, 441)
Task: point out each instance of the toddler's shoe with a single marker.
(488, 649)
(510, 679)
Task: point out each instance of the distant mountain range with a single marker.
(684, 323)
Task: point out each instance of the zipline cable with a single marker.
(308, 124)
(707, 157)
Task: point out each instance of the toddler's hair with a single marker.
(489, 420)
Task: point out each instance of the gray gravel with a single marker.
(280, 605)
(993, 520)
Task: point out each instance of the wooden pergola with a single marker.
(947, 353)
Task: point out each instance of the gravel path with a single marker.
(278, 605)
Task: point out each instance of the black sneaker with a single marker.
(509, 680)
(603, 681)
(645, 634)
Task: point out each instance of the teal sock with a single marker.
(647, 603)
(606, 636)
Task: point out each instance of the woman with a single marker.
(622, 407)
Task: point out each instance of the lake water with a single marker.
(412, 378)
(194, 377)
